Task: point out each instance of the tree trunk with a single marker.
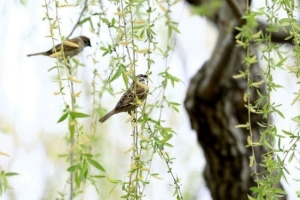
(215, 105)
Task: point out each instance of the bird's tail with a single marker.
(105, 117)
(36, 54)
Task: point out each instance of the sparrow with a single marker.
(128, 101)
(69, 49)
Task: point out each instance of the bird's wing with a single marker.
(125, 100)
(65, 46)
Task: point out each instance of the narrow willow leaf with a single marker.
(113, 180)
(77, 94)
(72, 168)
(118, 73)
(88, 155)
(4, 154)
(278, 177)
(252, 60)
(11, 174)
(291, 68)
(121, 14)
(240, 42)
(157, 177)
(75, 115)
(138, 26)
(257, 35)
(85, 20)
(124, 42)
(142, 50)
(144, 138)
(63, 117)
(256, 84)
(95, 164)
(284, 22)
(242, 126)
(129, 150)
(98, 176)
(238, 76)
(168, 144)
(51, 68)
(291, 157)
(287, 133)
(71, 78)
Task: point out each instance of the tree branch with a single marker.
(236, 9)
(216, 69)
(79, 18)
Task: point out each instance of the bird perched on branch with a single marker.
(71, 47)
(131, 99)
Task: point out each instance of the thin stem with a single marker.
(68, 68)
(176, 182)
(125, 32)
(249, 105)
(79, 18)
(53, 44)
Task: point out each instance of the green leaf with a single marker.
(113, 180)
(278, 112)
(106, 50)
(175, 29)
(95, 164)
(284, 22)
(84, 20)
(98, 176)
(63, 155)
(295, 24)
(104, 20)
(63, 117)
(125, 79)
(291, 157)
(168, 144)
(77, 179)
(282, 61)
(78, 115)
(118, 73)
(51, 68)
(11, 174)
(169, 136)
(138, 26)
(88, 155)
(73, 168)
(175, 108)
(278, 177)
(71, 128)
(287, 133)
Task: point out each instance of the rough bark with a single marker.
(215, 105)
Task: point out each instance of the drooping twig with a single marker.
(79, 18)
(279, 36)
